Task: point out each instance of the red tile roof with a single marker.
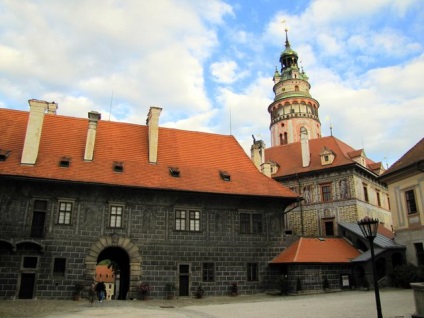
(316, 250)
(289, 157)
(199, 157)
(104, 274)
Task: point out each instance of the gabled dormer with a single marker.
(376, 167)
(269, 168)
(327, 156)
(359, 157)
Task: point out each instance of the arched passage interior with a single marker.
(121, 258)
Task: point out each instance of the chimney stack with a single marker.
(257, 152)
(51, 108)
(34, 128)
(93, 119)
(153, 124)
(304, 142)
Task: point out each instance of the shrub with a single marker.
(403, 275)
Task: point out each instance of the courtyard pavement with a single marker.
(396, 303)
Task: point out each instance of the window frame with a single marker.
(419, 253)
(60, 273)
(65, 212)
(378, 197)
(187, 219)
(411, 202)
(114, 216)
(365, 192)
(208, 272)
(252, 272)
(251, 222)
(28, 259)
(326, 196)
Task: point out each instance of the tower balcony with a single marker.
(293, 115)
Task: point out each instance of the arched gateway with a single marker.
(123, 252)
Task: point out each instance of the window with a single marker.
(419, 252)
(252, 272)
(64, 162)
(326, 192)
(116, 212)
(65, 211)
(251, 223)
(225, 175)
(118, 166)
(329, 228)
(411, 205)
(30, 262)
(187, 220)
(378, 198)
(208, 272)
(388, 202)
(174, 171)
(194, 221)
(38, 218)
(365, 187)
(4, 154)
(59, 266)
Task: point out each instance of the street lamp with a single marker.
(369, 228)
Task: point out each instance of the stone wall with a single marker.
(312, 277)
(155, 249)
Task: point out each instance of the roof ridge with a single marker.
(297, 249)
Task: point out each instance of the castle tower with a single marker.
(293, 107)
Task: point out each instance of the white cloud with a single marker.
(225, 72)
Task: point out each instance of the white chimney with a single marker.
(266, 169)
(34, 128)
(52, 108)
(153, 124)
(304, 142)
(93, 119)
(257, 152)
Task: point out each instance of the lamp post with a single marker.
(369, 228)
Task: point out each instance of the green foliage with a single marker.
(403, 275)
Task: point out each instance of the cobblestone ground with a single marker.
(396, 303)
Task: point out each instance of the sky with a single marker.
(209, 64)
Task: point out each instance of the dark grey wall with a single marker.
(148, 223)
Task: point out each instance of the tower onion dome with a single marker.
(288, 57)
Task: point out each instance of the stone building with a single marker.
(164, 205)
(337, 182)
(405, 179)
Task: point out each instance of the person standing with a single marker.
(101, 290)
(91, 293)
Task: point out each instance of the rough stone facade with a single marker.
(147, 245)
(311, 277)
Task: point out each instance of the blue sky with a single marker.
(209, 64)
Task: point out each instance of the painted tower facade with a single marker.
(293, 107)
